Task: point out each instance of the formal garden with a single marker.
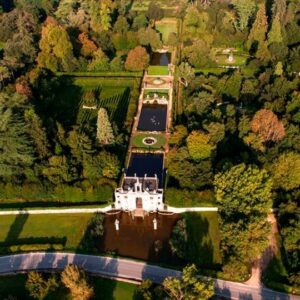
(234, 143)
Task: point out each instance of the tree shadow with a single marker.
(59, 99)
(222, 292)
(200, 249)
(13, 237)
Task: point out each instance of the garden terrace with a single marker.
(153, 117)
(140, 141)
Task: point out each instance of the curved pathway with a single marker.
(126, 269)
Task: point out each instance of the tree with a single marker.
(110, 165)
(189, 286)
(100, 61)
(105, 133)
(266, 124)
(88, 46)
(137, 59)
(179, 238)
(185, 73)
(154, 12)
(149, 37)
(37, 133)
(143, 291)
(286, 171)
(199, 146)
(275, 34)
(245, 9)
(38, 287)
(16, 150)
(260, 26)
(96, 226)
(178, 135)
(244, 189)
(216, 132)
(56, 48)
(75, 280)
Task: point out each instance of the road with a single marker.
(126, 269)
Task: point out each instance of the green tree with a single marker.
(189, 286)
(100, 62)
(245, 9)
(149, 37)
(37, 133)
(260, 26)
(56, 48)
(179, 238)
(286, 171)
(16, 149)
(110, 165)
(244, 189)
(154, 11)
(216, 132)
(38, 287)
(75, 280)
(185, 73)
(105, 133)
(275, 34)
(199, 146)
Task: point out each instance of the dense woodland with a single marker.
(235, 141)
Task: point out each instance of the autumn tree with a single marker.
(105, 133)
(189, 286)
(39, 287)
(75, 280)
(137, 59)
(88, 46)
(56, 48)
(199, 146)
(245, 9)
(266, 124)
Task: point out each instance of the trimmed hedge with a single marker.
(101, 74)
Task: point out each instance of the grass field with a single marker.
(166, 26)
(105, 289)
(65, 229)
(138, 141)
(158, 70)
(238, 60)
(203, 238)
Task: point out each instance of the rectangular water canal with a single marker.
(160, 59)
(150, 164)
(153, 118)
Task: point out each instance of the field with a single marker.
(105, 289)
(238, 60)
(166, 26)
(158, 70)
(137, 141)
(43, 232)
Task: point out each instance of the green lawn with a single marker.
(105, 289)
(238, 60)
(138, 141)
(158, 70)
(166, 26)
(203, 238)
(67, 230)
(206, 71)
(185, 198)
